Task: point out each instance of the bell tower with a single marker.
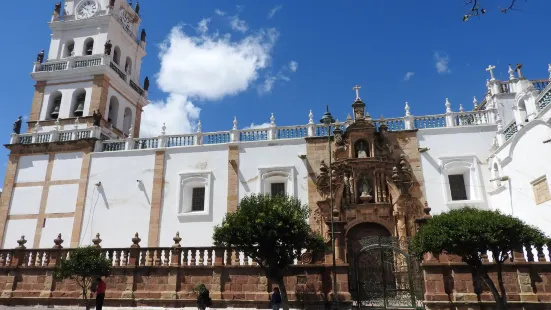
(90, 75)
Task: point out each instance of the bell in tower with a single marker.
(55, 108)
(79, 110)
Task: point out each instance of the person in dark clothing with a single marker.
(100, 293)
(276, 299)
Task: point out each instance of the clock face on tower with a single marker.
(86, 9)
(125, 18)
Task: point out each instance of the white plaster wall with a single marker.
(67, 166)
(526, 160)
(120, 207)
(17, 228)
(253, 156)
(505, 108)
(54, 227)
(32, 168)
(26, 200)
(452, 142)
(62, 198)
(194, 231)
(67, 91)
(60, 38)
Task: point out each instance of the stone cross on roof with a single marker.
(491, 69)
(357, 89)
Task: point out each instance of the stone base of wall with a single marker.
(308, 287)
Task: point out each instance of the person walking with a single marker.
(100, 293)
(276, 299)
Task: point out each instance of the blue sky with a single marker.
(236, 59)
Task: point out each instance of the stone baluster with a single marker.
(228, 257)
(199, 134)
(34, 134)
(218, 257)
(95, 132)
(518, 255)
(234, 133)
(14, 138)
(541, 254)
(529, 253)
(272, 131)
(500, 135)
(236, 257)
(129, 143)
(193, 254)
(74, 133)
(409, 122)
(450, 119)
(311, 125)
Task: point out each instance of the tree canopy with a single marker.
(272, 230)
(83, 266)
(478, 7)
(470, 233)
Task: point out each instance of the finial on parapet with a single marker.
(491, 70)
(96, 241)
(310, 117)
(130, 130)
(407, 109)
(549, 70)
(177, 240)
(21, 243)
(58, 241)
(475, 103)
(448, 106)
(57, 124)
(348, 118)
(234, 123)
(357, 89)
(272, 120)
(199, 126)
(136, 241)
(461, 107)
(163, 129)
(36, 127)
(511, 73)
(518, 67)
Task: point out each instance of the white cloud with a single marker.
(253, 126)
(206, 67)
(219, 12)
(293, 66)
(274, 10)
(238, 24)
(442, 62)
(408, 75)
(268, 84)
(203, 25)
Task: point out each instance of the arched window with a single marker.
(117, 55)
(127, 122)
(77, 104)
(69, 49)
(54, 105)
(113, 111)
(88, 47)
(523, 118)
(361, 149)
(128, 66)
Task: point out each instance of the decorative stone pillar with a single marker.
(53, 260)
(234, 133)
(311, 125)
(162, 137)
(18, 259)
(272, 131)
(175, 262)
(133, 260)
(96, 241)
(14, 138)
(409, 121)
(500, 136)
(199, 134)
(450, 120)
(340, 243)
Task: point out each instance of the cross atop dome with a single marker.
(358, 107)
(357, 89)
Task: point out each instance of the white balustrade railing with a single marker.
(71, 63)
(107, 144)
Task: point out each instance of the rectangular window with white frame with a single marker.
(457, 187)
(194, 195)
(277, 189)
(462, 182)
(277, 181)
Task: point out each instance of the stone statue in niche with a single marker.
(146, 84)
(57, 8)
(361, 149)
(97, 117)
(108, 47)
(322, 180)
(383, 146)
(340, 139)
(366, 190)
(17, 125)
(143, 35)
(40, 57)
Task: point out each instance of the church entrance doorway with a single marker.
(382, 273)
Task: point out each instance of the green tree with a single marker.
(272, 231)
(83, 266)
(478, 8)
(470, 233)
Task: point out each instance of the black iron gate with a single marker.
(383, 275)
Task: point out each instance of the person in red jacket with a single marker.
(100, 293)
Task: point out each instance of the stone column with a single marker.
(340, 243)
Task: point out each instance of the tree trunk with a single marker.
(283, 290)
(500, 301)
(85, 296)
(503, 301)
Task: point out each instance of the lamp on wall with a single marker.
(302, 156)
(98, 184)
(502, 179)
(423, 149)
(547, 141)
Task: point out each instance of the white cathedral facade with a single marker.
(81, 168)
